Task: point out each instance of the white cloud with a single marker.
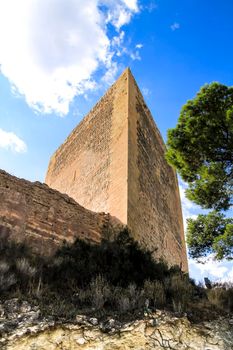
(119, 16)
(139, 46)
(49, 50)
(213, 269)
(175, 26)
(10, 141)
(132, 5)
(117, 46)
(228, 277)
(209, 267)
(110, 74)
(120, 11)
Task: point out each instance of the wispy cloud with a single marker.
(49, 50)
(135, 56)
(10, 141)
(151, 6)
(145, 91)
(175, 26)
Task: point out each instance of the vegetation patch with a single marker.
(115, 278)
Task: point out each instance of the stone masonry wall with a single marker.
(154, 209)
(42, 217)
(91, 165)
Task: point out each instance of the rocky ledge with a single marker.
(23, 328)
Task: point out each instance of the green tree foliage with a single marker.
(211, 233)
(201, 146)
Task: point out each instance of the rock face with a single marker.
(22, 328)
(114, 161)
(43, 218)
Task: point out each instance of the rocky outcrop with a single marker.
(22, 328)
(44, 218)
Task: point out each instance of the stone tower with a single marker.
(113, 161)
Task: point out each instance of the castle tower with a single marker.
(113, 161)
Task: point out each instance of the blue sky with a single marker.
(58, 57)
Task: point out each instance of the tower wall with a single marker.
(91, 165)
(154, 209)
(114, 161)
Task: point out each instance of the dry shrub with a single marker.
(136, 296)
(123, 303)
(180, 290)
(57, 261)
(4, 267)
(38, 288)
(25, 268)
(128, 299)
(221, 297)
(7, 279)
(121, 299)
(154, 291)
(83, 295)
(99, 292)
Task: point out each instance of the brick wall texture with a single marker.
(114, 162)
